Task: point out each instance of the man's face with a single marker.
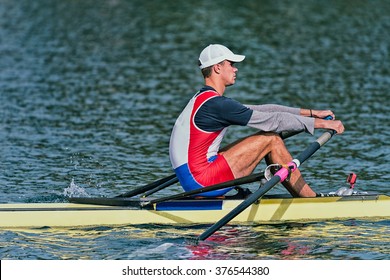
(228, 72)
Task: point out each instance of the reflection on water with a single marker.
(90, 91)
(348, 239)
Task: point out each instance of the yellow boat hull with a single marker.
(268, 210)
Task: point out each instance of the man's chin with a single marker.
(228, 85)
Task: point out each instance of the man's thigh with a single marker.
(245, 154)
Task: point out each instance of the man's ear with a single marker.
(217, 68)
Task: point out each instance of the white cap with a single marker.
(215, 53)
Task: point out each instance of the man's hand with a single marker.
(335, 125)
(322, 114)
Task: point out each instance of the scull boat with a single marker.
(126, 211)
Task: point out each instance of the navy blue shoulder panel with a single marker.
(205, 88)
(220, 112)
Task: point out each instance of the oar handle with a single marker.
(325, 137)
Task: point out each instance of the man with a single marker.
(196, 137)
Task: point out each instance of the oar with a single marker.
(161, 186)
(167, 181)
(236, 182)
(279, 176)
(172, 179)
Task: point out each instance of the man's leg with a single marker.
(245, 154)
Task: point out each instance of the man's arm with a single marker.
(280, 121)
(274, 108)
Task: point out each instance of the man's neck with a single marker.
(219, 87)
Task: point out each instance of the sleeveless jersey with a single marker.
(196, 139)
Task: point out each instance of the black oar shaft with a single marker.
(240, 181)
(241, 207)
(269, 185)
(315, 146)
(171, 178)
(162, 186)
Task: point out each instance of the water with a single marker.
(89, 91)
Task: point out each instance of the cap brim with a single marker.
(236, 58)
(233, 58)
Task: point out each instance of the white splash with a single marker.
(75, 191)
(162, 251)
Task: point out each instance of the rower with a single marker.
(195, 152)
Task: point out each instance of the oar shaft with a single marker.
(279, 176)
(325, 137)
(160, 187)
(241, 207)
(171, 178)
(237, 182)
(240, 181)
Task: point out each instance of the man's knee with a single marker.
(271, 138)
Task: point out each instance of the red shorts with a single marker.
(217, 171)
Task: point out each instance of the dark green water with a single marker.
(89, 92)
